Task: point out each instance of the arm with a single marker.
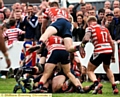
(39, 12)
(2, 44)
(67, 3)
(4, 49)
(113, 47)
(44, 25)
(77, 5)
(86, 37)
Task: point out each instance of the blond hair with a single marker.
(91, 18)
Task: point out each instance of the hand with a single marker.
(75, 25)
(82, 52)
(113, 59)
(81, 1)
(28, 17)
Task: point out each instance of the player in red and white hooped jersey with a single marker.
(55, 42)
(13, 32)
(57, 54)
(59, 26)
(54, 13)
(100, 40)
(103, 52)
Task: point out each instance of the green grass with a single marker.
(6, 86)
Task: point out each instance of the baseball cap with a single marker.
(110, 14)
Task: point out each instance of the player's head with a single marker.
(91, 20)
(54, 3)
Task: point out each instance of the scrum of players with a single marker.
(58, 68)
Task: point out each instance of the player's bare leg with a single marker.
(66, 69)
(92, 76)
(111, 78)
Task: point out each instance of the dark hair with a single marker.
(12, 22)
(29, 6)
(101, 10)
(80, 15)
(52, 4)
(83, 4)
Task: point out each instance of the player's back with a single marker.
(54, 13)
(100, 39)
(12, 33)
(55, 42)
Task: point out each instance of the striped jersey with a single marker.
(55, 42)
(12, 33)
(55, 13)
(75, 66)
(100, 38)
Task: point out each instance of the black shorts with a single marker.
(63, 27)
(57, 56)
(99, 58)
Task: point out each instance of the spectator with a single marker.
(101, 13)
(70, 9)
(19, 24)
(79, 29)
(79, 12)
(38, 28)
(91, 12)
(30, 22)
(83, 8)
(116, 4)
(107, 11)
(23, 7)
(109, 18)
(73, 9)
(107, 5)
(88, 7)
(114, 26)
(2, 5)
(35, 9)
(7, 13)
(71, 21)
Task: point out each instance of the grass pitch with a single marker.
(6, 86)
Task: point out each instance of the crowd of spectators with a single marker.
(29, 18)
